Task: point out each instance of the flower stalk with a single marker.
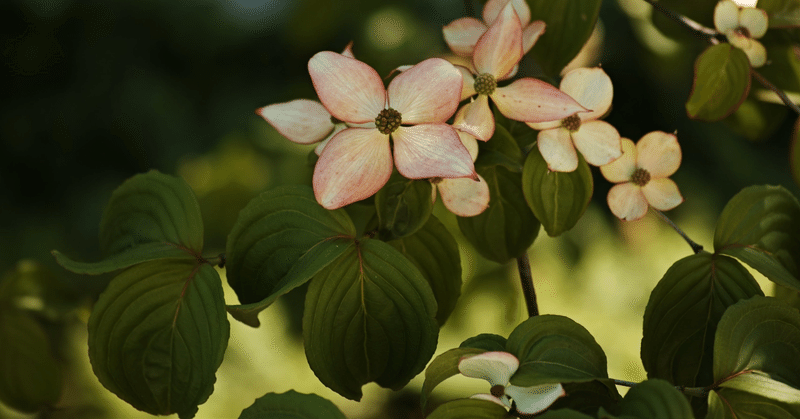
(526, 279)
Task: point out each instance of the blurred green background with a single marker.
(96, 91)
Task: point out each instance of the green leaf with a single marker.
(555, 349)
(140, 253)
(558, 199)
(31, 375)
(308, 265)
(761, 226)
(151, 207)
(507, 227)
(589, 397)
(564, 414)
(569, 25)
(682, 315)
(292, 405)
(781, 13)
(271, 234)
(500, 150)
(721, 83)
(760, 383)
(158, 334)
(728, 403)
(469, 408)
(487, 341)
(655, 399)
(443, 367)
(794, 155)
(434, 251)
(369, 317)
(404, 206)
(763, 334)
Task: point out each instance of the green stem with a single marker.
(526, 279)
(696, 248)
(766, 83)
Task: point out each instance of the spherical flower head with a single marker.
(742, 26)
(412, 111)
(598, 141)
(497, 368)
(642, 174)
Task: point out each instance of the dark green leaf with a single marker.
(487, 341)
(761, 226)
(721, 83)
(151, 207)
(555, 349)
(794, 155)
(404, 206)
(569, 25)
(292, 405)
(158, 334)
(781, 13)
(558, 199)
(469, 408)
(590, 396)
(564, 414)
(682, 315)
(500, 150)
(272, 232)
(140, 253)
(308, 265)
(763, 334)
(655, 399)
(507, 227)
(369, 317)
(31, 376)
(443, 367)
(434, 251)
(728, 403)
(760, 383)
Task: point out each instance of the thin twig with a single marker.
(696, 248)
(697, 28)
(624, 383)
(766, 83)
(526, 279)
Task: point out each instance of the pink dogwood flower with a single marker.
(641, 174)
(412, 111)
(461, 35)
(598, 141)
(497, 368)
(497, 52)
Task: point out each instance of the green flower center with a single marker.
(498, 391)
(485, 84)
(572, 123)
(388, 121)
(640, 177)
(742, 31)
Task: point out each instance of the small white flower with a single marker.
(742, 26)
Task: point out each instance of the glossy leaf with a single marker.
(308, 265)
(569, 25)
(655, 399)
(781, 13)
(369, 317)
(760, 383)
(469, 408)
(555, 349)
(588, 397)
(507, 227)
(292, 405)
(721, 83)
(404, 206)
(558, 199)
(564, 414)
(728, 403)
(434, 251)
(271, 234)
(487, 341)
(500, 150)
(140, 253)
(157, 335)
(761, 226)
(31, 376)
(443, 367)
(682, 315)
(151, 207)
(762, 334)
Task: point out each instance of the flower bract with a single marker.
(742, 26)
